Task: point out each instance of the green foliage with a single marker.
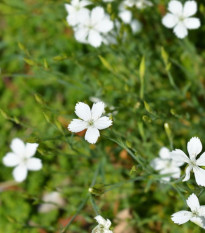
(156, 84)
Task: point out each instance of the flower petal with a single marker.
(94, 38)
(82, 110)
(175, 7)
(169, 20)
(30, 149)
(11, 159)
(200, 221)
(81, 34)
(97, 14)
(181, 217)
(188, 170)
(103, 123)
(34, 164)
(18, 146)
(92, 135)
(158, 164)
(97, 110)
(192, 23)
(105, 25)
(179, 156)
(193, 202)
(164, 153)
(199, 174)
(190, 8)
(194, 147)
(20, 173)
(100, 220)
(201, 160)
(180, 30)
(77, 125)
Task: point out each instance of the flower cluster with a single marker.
(90, 26)
(103, 225)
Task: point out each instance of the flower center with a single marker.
(90, 122)
(181, 18)
(193, 162)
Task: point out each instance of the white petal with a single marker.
(169, 20)
(164, 153)
(107, 224)
(181, 217)
(175, 7)
(188, 170)
(18, 147)
(97, 110)
(193, 202)
(202, 211)
(83, 111)
(200, 221)
(192, 23)
(136, 26)
(81, 34)
(77, 125)
(126, 16)
(30, 149)
(83, 16)
(179, 156)
(194, 147)
(100, 220)
(190, 8)
(201, 160)
(97, 14)
(11, 159)
(180, 30)
(68, 8)
(94, 38)
(92, 135)
(103, 123)
(158, 163)
(105, 25)
(20, 173)
(199, 174)
(34, 164)
(174, 171)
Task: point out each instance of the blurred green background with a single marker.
(45, 72)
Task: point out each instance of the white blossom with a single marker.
(103, 225)
(141, 4)
(194, 148)
(196, 215)
(52, 200)
(91, 119)
(93, 26)
(166, 165)
(180, 17)
(75, 10)
(22, 159)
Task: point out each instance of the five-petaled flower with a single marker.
(103, 225)
(22, 159)
(196, 215)
(194, 148)
(93, 26)
(166, 165)
(180, 18)
(91, 120)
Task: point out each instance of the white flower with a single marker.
(194, 148)
(22, 159)
(93, 26)
(53, 199)
(180, 18)
(91, 120)
(196, 215)
(165, 165)
(103, 225)
(75, 10)
(141, 4)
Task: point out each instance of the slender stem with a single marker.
(92, 200)
(76, 214)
